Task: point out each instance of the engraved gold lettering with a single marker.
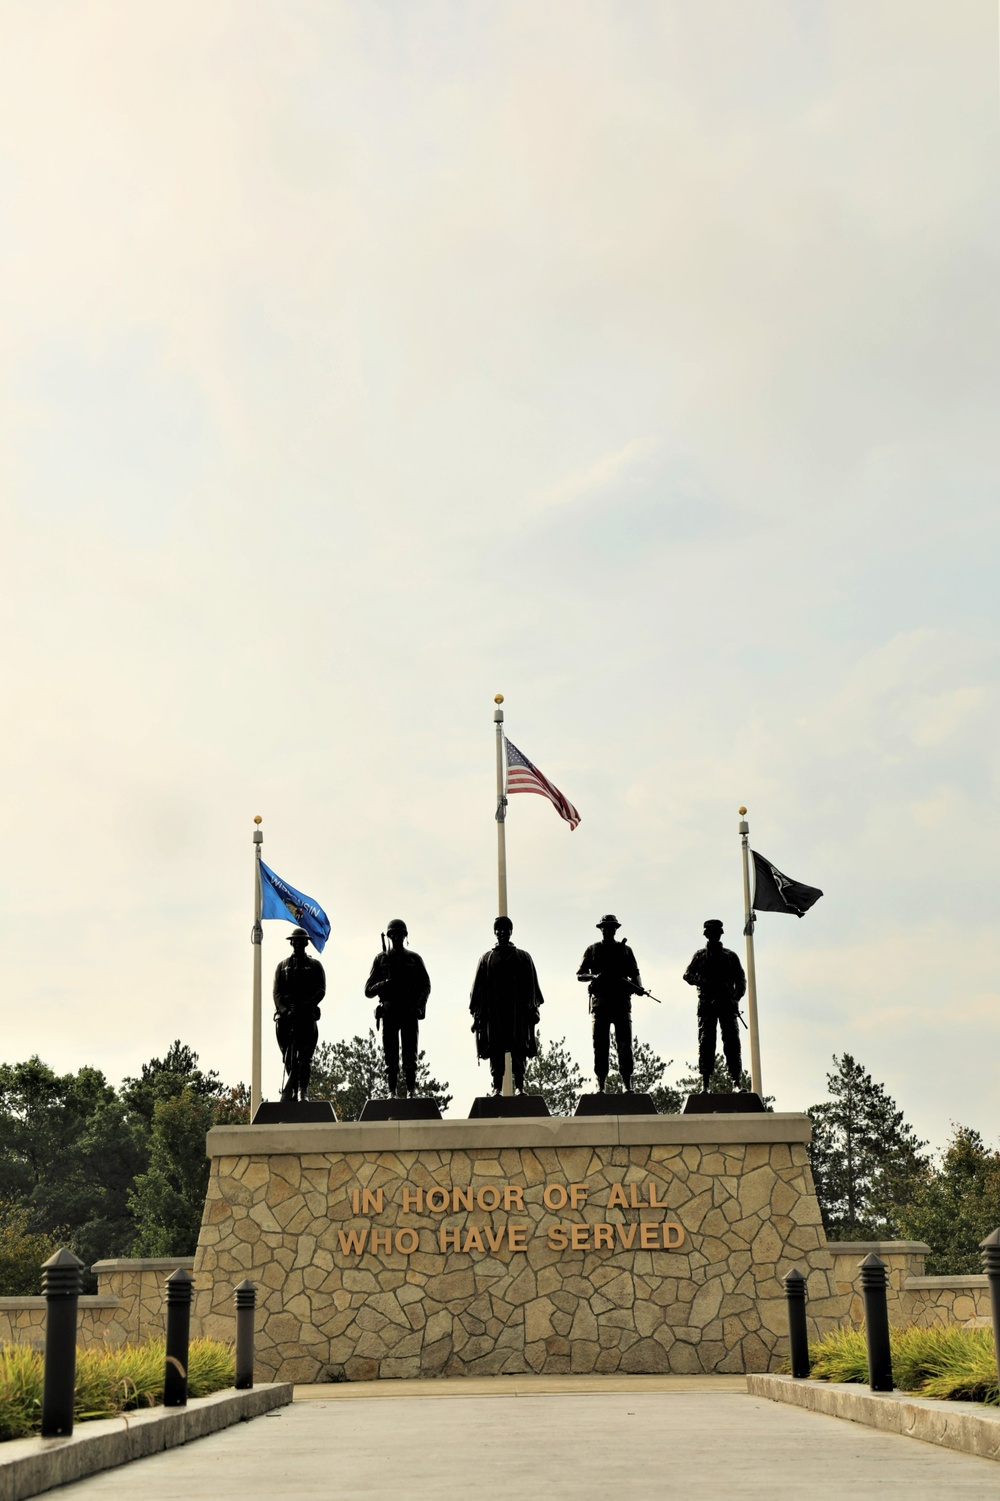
(579, 1237)
(356, 1201)
(604, 1235)
(448, 1239)
(616, 1198)
(461, 1198)
(407, 1240)
(516, 1237)
(577, 1195)
(352, 1242)
(654, 1202)
(513, 1197)
(558, 1239)
(491, 1190)
(438, 1200)
(473, 1240)
(554, 1196)
(371, 1201)
(649, 1237)
(494, 1238)
(626, 1235)
(379, 1240)
(413, 1198)
(635, 1201)
(673, 1234)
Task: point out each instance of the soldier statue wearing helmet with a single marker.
(401, 984)
(610, 970)
(299, 988)
(718, 975)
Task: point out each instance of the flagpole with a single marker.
(508, 1071)
(256, 939)
(744, 832)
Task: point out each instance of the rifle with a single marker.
(379, 1009)
(636, 989)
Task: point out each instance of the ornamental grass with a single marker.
(108, 1382)
(946, 1361)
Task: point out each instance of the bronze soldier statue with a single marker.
(401, 984)
(299, 987)
(504, 1006)
(613, 977)
(719, 976)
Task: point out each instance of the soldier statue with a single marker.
(401, 984)
(718, 974)
(299, 987)
(504, 1006)
(610, 970)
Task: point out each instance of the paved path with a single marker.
(687, 1438)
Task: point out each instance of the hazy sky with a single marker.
(638, 361)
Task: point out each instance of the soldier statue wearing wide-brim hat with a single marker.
(610, 970)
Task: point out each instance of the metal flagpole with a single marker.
(256, 938)
(508, 1072)
(744, 832)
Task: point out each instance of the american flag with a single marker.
(523, 777)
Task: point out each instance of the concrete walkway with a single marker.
(655, 1437)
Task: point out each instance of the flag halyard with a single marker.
(524, 776)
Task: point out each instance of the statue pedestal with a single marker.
(400, 1110)
(723, 1104)
(504, 1106)
(294, 1113)
(615, 1104)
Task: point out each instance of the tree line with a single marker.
(123, 1172)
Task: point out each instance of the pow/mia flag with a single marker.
(774, 892)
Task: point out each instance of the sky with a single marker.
(359, 361)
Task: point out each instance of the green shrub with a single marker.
(107, 1381)
(947, 1361)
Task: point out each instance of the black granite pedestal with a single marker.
(495, 1106)
(400, 1110)
(723, 1104)
(294, 1112)
(615, 1104)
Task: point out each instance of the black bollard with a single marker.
(246, 1303)
(873, 1282)
(798, 1335)
(61, 1290)
(180, 1286)
(990, 1248)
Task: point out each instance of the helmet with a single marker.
(298, 933)
(396, 925)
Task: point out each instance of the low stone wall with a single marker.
(130, 1306)
(446, 1248)
(912, 1297)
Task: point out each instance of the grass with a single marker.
(108, 1382)
(947, 1361)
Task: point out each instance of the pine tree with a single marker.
(555, 1076)
(866, 1160)
(956, 1207)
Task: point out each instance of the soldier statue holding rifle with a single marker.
(299, 988)
(610, 970)
(400, 982)
(718, 974)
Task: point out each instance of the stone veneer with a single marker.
(129, 1306)
(912, 1298)
(284, 1201)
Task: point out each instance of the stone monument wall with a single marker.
(639, 1244)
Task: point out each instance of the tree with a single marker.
(957, 1206)
(350, 1073)
(554, 1075)
(721, 1082)
(22, 1251)
(866, 1160)
(168, 1198)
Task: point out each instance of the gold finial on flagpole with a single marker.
(742, 812)
(498, 698)
(257, 818)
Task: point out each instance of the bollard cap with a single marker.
(246, 1294)
(180, 1286)
(990, 1247)
(873, 1271)
(61, 1274)
(794, 1281)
